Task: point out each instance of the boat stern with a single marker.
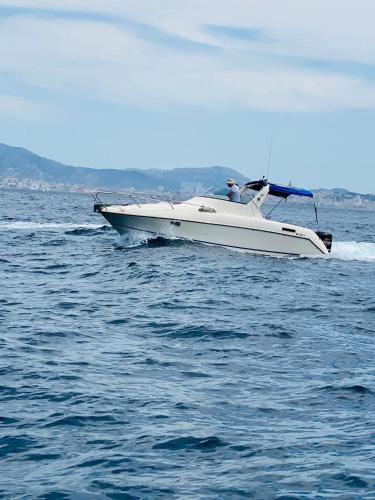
(326, 239)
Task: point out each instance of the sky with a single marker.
(192, 83)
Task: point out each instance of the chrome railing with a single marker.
(136, 197)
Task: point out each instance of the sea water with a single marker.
(136, 368)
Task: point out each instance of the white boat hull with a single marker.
(251, 239)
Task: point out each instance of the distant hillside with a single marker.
(23, 169)
(343, 198)
(21, 163)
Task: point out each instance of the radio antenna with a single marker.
(269, 156)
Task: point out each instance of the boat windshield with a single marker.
(223, 198)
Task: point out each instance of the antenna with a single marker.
(269, 156)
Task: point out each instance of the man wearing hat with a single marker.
(234, 192)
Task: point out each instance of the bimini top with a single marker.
(276, 190)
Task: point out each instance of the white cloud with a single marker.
(104, 61)
(326, 28)
(18, 107)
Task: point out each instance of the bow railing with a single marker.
(136, 197)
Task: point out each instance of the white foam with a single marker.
(353, 250)
(134, 238)
(47, 226)
(343, 250)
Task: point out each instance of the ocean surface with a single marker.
(168, 369)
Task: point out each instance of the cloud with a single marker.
(210, 54)
(249, 34)
(144, 31)
(19, 107)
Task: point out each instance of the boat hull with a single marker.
(250, 239)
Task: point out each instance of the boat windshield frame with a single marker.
(213, 197)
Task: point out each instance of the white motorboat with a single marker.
(217, 221)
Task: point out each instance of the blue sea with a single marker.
(134, 368)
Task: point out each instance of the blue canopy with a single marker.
(276, 190)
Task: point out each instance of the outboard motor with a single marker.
(326, 239)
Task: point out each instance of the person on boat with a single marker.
(234, 192)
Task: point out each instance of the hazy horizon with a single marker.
(271, 178)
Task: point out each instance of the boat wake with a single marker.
(45, 226)
(341, 250)
(133, 239)
(353, 250)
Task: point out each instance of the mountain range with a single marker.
(19, 163)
